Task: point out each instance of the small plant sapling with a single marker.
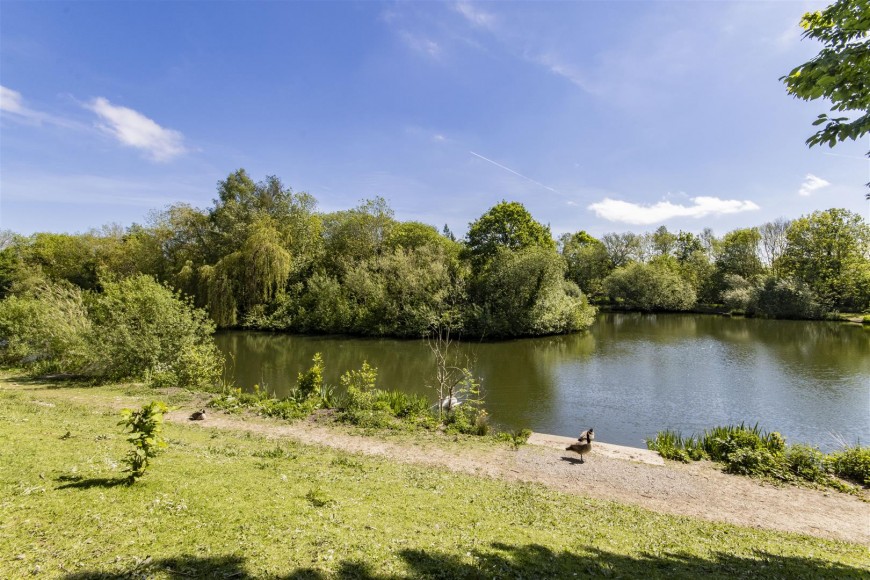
(146, 427)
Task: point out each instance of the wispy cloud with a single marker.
(640, 214)
(134, 129)
(474, 15)
(812, 183)
(421, 44)
(12, 103)
(517, 173)
(559, 67)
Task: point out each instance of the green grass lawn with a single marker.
(231, 504)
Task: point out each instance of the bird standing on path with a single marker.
(584, 443)
(198, 416)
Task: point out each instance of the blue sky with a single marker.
(603, 116)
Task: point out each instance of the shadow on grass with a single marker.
(51, 381)
(572, 460)
(77, 482)
(530, 561)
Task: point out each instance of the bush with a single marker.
(669, 445)
(756, 461)
(515, 438)
(806, 463)
(146, 428)
(851, 463)
(311, 381)
(649, 287)
(135, 329)
(46, 329)
(139, 325)
(784, 298)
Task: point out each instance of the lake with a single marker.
(629, 376)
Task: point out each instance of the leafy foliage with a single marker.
(650, 287)
(830, 252)
(146, 436)
(749, 451)
(135, 328)
(505, 225)
(839, 72)
(311, 381)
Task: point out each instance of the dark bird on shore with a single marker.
(584, 443)
(198, 416)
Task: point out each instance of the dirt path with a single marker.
(698, 489)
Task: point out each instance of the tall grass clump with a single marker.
(750, 451)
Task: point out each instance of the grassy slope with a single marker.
(237, 504)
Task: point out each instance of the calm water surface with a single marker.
(628, 377)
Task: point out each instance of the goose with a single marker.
(198, 416)
(582, 446)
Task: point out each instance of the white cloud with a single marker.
(639, 214)
(10, 101)
(812, 183)
(136, 130)
(421, 44)
(474, 15)
(559, 67)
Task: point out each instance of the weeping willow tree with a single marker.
(267, 264)
(253, 275)
(220, 281)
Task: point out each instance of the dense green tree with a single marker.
(524, 292)
(840, 71)
(357, 234)
(650, 287)
(686, 246)
(830, 251)
(738, 255)
(663, 242)
(587, 260)
(505, 225)
(621, 248)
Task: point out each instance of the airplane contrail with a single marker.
(515, 172)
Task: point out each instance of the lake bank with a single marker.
(89, 415)
(630, 376)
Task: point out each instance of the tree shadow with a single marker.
(535, 561)
(185, 566)
(506, 561)
(77, 482)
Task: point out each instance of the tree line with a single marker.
(263, 257)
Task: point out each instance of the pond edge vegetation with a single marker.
(750, 451)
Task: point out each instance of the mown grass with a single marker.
(233, 504)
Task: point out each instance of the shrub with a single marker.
(650, 287)
(311, 381)
(140, 324)
(467, 419)
(515, 438)
(784, 298)
(135, 329)
(146, 427)
(806, 463)
(754, 461)
(46, 329)
(669, 445)
(851, 463)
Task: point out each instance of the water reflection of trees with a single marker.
(515, 374)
